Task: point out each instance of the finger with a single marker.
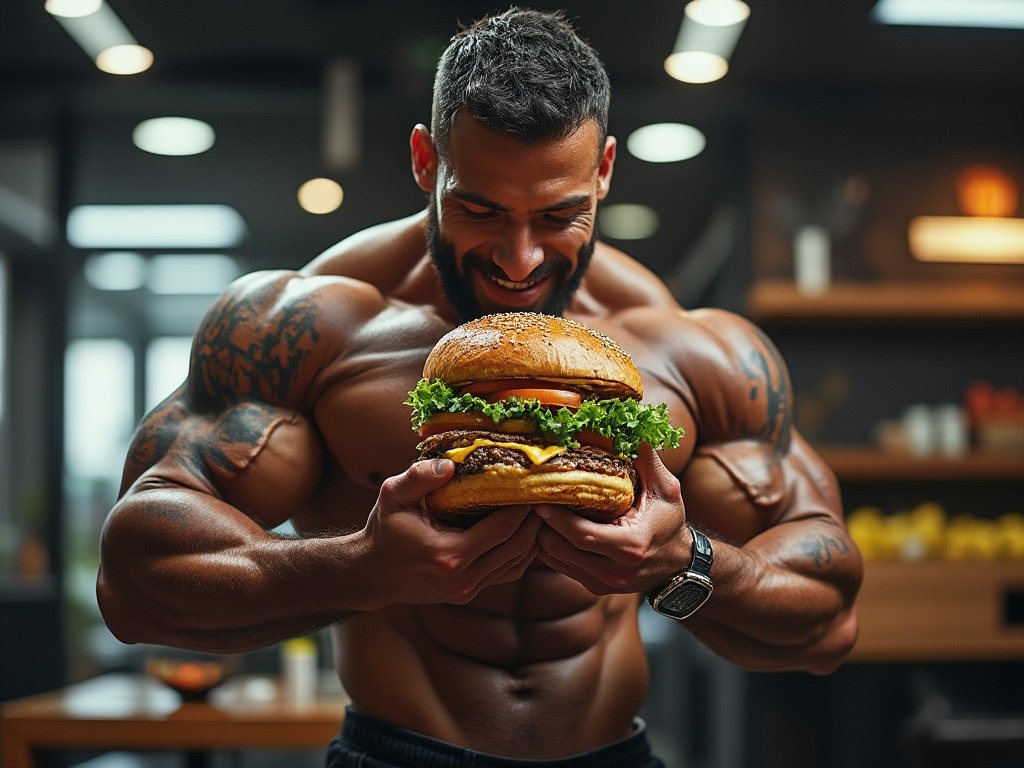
(655, 478)
(516, 570)
(409, 487)
(512, 555)
(581, 533)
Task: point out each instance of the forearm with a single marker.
(784, 600)
(179, 568)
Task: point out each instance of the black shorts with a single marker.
(366, 742)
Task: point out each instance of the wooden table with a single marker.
(134, 712)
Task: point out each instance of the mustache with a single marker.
(490, 269)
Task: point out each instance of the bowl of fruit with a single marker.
(193, 675)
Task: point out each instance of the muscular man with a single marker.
(517, 638)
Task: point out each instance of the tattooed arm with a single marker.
(786, 573)
(187, 555)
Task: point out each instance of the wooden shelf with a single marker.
(779, 301)
(866, 463)
(939, 611)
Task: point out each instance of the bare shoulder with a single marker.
(737, 378)
(256, 360)
(617, 281)
(381, 255)
(267, 335)
(716, 337)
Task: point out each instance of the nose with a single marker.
(517, 254)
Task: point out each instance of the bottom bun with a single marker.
(465, 498)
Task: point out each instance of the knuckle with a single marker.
(445, 564)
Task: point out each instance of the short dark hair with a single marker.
(525, 73)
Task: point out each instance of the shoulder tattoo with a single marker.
(154, 437)
(768, 382)
(244, 350)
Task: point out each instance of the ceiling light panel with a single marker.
(995, 14)
(665, 142)
(628, 221)
(116, 271)
(176, 136)
(155, 226)
(191, 273)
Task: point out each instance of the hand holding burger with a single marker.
(533, 409)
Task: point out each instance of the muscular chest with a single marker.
(663, 383)
(365, 425)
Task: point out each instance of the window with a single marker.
(99, 419)
(166, 365)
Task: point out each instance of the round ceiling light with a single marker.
(717, 13)
(666, 142)
(321, 196)
(72, 9)
(696, 66)
(127, 59)
(173, 136)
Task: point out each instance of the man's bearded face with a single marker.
(457, 287)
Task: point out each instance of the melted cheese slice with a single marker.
(537, 454)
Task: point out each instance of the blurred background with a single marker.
(846, 175)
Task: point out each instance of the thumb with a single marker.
(655, 478)
(418, 480)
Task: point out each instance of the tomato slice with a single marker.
(553, 397)
(446, 422)
(588, 437)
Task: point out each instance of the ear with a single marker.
(604, 168)
(424, 158)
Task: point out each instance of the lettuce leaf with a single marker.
(625, 421)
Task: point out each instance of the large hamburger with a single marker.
(533, 409)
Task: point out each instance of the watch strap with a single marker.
(703, 557)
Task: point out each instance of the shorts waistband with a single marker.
(403, 747)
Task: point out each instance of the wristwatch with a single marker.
(687, 591)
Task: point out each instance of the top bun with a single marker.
(512, 345)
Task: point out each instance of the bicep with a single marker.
(262, 460)
(751, 470)
(735, 489)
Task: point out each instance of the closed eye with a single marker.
(478, 215)
(563, 221)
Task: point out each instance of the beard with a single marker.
(458, 291)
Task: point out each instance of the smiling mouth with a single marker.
(511, 285)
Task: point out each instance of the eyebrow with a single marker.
(574, 201)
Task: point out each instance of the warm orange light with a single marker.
(985, 191)
(964, 239)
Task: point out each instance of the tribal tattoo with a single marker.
(766, 373)
(233, 362)
(821, 549)
(224, 445)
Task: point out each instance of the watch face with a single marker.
(684, 599)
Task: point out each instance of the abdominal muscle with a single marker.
(536, 669)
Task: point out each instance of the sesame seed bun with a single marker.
(535, 346)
